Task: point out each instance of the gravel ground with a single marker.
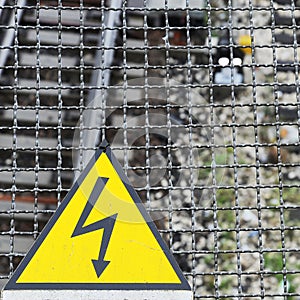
(240, 214)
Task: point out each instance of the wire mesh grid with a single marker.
(200, 103)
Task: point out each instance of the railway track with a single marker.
(48, 56)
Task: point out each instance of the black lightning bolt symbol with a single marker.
(106, 224)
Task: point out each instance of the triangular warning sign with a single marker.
(99, 243)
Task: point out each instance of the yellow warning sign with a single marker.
(101, 237)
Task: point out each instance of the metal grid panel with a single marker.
(200, 102)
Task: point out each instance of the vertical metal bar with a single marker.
(9, 35)
(191, 161)
(278, 148)
(168, 86)
(147, 120)
(257, 156)
(82, 86)
(125, 86)
(60, 102)
(100, 80)
(213, 155)
(2, 3)
(234, 144)
(296, 61)
(14, 144)
(37, 119)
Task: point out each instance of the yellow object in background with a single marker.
(245, 40)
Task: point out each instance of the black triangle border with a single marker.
(13, 285)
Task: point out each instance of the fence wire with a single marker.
(200, 103)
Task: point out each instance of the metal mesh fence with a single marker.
(199, 100)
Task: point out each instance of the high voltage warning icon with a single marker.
(100, 244)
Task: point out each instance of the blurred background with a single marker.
(200, 102)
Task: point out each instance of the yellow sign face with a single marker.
(101, 237)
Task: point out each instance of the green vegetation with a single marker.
(205, 173)
(225, 197)
(291, 195)
(209, 259)
(226, 219)
(274, 262)
(221, 158)
(226, 283)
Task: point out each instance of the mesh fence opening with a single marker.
(200, 102)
